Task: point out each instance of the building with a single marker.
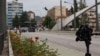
(13, 8)
(40, 21)
(31, 15)
(99, 19)
(55, 12)
(92, 18)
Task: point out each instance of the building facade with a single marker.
(40, 21)
(55, 12)
(92, 18)
(13, 8)
(31, 15)
(99, 19)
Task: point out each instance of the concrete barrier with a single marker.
(10, 46)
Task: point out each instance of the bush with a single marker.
(30, 47)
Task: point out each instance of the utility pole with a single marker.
(97, 22)
(61, 13)
(75, 15)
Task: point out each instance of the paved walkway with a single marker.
(63, 51)
(6, 49)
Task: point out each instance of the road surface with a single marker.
(66, 44)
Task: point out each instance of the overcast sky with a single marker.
(37, 6)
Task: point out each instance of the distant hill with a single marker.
(37, 18)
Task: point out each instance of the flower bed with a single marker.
(30, 47)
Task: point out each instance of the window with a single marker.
(9, 23)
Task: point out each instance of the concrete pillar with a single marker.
(2, 23)
(3, 16)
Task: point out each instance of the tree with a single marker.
(52, 23)
(16, 21)
(33, 21)
(76, 20)
(24, 18)
(75, 6)
(82, 5)
(71, 10)
(84, 17)
(48, 22)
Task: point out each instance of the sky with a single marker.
(37, 6)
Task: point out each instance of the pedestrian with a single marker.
(15, 29)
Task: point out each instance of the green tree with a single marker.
(48, 22)
(75, 6)
(16, 21)
(74, 11)
(84, 17)
(24, 18)
(52, 23)
(82, 5)
(71, 10)
(33, 21)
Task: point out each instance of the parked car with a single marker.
(24, 29)
(31, 29)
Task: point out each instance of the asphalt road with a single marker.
(67, 40)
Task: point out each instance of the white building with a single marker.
(13, 8)
(31, 15)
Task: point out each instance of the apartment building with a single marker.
(55, 12)
(14, 7)
(92, 18)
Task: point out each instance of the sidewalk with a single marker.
(6, 49)
(64, 51)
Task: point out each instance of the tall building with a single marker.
(31, 15)
(13, 8)
(55, 12)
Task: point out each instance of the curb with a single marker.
(10, 46)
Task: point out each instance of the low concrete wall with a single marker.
(10, 46)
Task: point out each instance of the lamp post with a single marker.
(97, 23)
(61, 14)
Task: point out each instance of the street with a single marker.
(66, 44)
